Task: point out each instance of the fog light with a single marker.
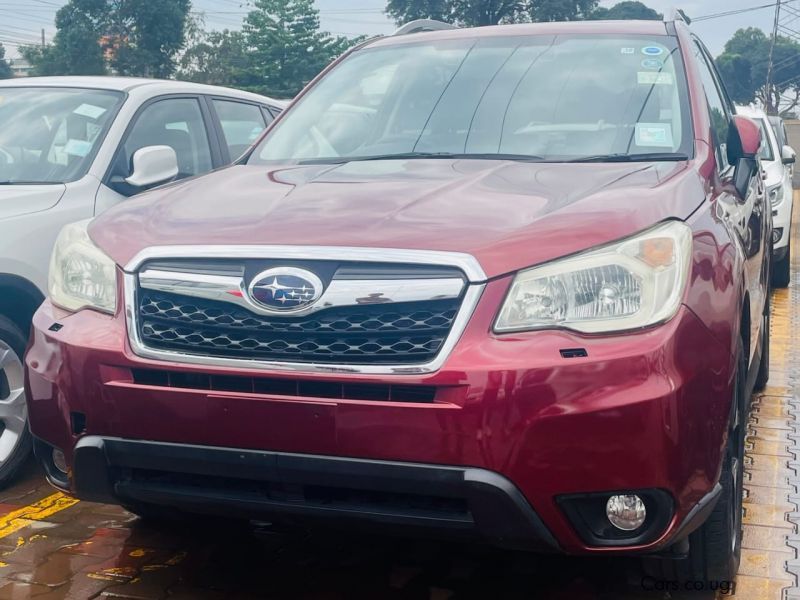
(60, 461)
(777, 234)
(626, 512)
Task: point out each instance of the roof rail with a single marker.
(679, 15)
(422, 25)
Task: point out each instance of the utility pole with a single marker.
(770, 67)
(43, 43)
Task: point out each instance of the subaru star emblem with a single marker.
(285, 289)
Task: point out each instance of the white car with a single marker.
(778, 161)
(71, 147)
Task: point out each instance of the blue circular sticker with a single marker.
(652, 64)
(652, 51)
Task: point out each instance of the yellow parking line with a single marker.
(38, 511)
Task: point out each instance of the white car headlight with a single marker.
(81, 275)
(776, 194)
(626, 285)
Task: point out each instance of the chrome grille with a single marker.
(190, 312)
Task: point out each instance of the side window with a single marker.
(174, 122)
(241, 125)
(718, 108)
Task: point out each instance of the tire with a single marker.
(715, 548)
(15, 438)
(763, 367)
(782, 269)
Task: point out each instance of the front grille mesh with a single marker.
(398, 334)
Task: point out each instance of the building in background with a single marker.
(20, 67)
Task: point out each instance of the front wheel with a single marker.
(15, 439)
(715, 548)
(763, 367)
(782, 269)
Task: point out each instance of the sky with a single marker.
(21, 21)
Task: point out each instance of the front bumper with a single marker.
(642, 411)
(782, 219)
(461, 502)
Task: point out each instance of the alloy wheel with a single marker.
(13, 410)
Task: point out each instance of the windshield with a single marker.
(537, 97)
(766, 152)
(50, 135)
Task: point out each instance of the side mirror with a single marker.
(744, 143)
(153, 165)
(749, 137)
(788, 155)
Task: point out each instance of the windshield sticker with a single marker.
(89, 110)
(628, 50)
(654, 135)
(653, 78)
(652, 64)
(255, 132)
(79, 148)
(652, 51)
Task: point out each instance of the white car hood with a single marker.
(775, 171)
(18, 200)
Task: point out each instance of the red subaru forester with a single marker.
(507, 284)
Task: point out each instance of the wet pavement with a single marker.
(53, 547)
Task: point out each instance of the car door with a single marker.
(747, 217)
(239, 124)
(182, 122)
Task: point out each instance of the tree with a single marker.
(5, 68)
(286, 47)
(132, 37)
(144, 37)
(627, 10)
(218, 58)
(744, 66)
(76, 48)
(473, 13)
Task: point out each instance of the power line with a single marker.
(730, 13)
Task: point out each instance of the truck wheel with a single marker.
(715, 548)
(15, 439)
(763, 367)
(782, 269)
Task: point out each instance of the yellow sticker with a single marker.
(653, 78)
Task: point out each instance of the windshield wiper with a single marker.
(643, 157)
(422, 155)
(18, 182)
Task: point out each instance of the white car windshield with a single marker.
(50, 135)
(540, 97)
(766, 153)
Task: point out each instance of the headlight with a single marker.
(627, 285)
(776, 195)
(81, 275)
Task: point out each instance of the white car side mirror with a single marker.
(788, 155)
(152, 165)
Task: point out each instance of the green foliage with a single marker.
(472, 13)
(286, 47)
(627, 10)
(146, 36)
(736, 72)
(76, 48)
(132, 37)
(5, 68)
(744, 65)
(217, 58)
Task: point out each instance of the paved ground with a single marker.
(52, 547)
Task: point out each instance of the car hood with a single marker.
(508, 215)
(16, 200)
(775, 172)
